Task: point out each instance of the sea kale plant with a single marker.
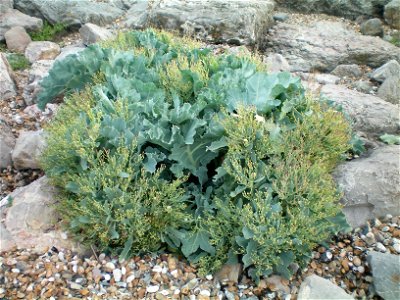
(161, 145)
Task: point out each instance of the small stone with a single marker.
(130, 278)
(396, 248)
(152, 288)
(157, 269)
(205, 293)
(75, 286)
(370, 238)
(385, 228)
(380, 247)
(109, 266)
(117, 274)
(281, 17)
(357, 261)
(326, 256)
(361, 269)
(209, 277)
(107, 277)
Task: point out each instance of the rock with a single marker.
(323, 45)
(389, 69)
(70, 12)
(392, 14)
(7, 143)
(281, 17)
(13, 18)
(363, 86)
(228, 272)
(348, 9)
(92, 33)
(370, 115)
(347, 71)
(70, 50)
(315, 287)
(42, 51)
(17, 39)
(31, 219)
(326, 78)
(372, 27)
(390, 90)
(38, 71)
(386, 274)
(276, 63)
(7, 86)
(371, 185)
(234, 22)
(6, 5)
(27, 150)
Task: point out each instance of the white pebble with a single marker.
(205, 293)
(61, 256)
(102, 256)
(123, 270)
(152, 288)
(157, 269)
(64, 235)
(110, 266)
(209, 277)
(177, 292)
(380, 247)
(107, 277)
(75, 268)
(130, 278)
(117, 275)
(396, 247)
(15, 270)
(192, 297)
(164, 292)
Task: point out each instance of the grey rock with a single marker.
(91, 33)
(392, 14)
(281, 17)
(42, 51)
(363, 86)
(17, 39)
(347, 71)
(390, 89)
(276, 63)
(228, 272)
(13, 18)
(373, 27)
(38, 71)
(7, 85)
(70, 50)
(370, 114)
(6, 5)
(6, 239)
(7, 143)
(315, 287)
(326, 78)
(349, 8)
(386, 274)
(234, 22)
(323, 45)
(70, 12)
(371, 185)
(28, 148)
(31, 219)
(391, 68)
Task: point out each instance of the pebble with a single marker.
(75, 286)
(369, 238)
(152, 288)
(109, 266)
(130, 278)
(385, 229)
(396, 247)
(357, 261)
(380, 247)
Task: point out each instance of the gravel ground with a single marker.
(60, 274)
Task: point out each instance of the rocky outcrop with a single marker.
(91, 33)
(13, 18)
(315, 287)
(28, 148)
(371, 185)
(42, 51)
(392, 13)
(17, 39)
(31, 221)
(349, 9)
(38, 71)
(70, 12)
(386, 274)
(7, 143)
(370, 114)
(7, 86)
(324, 45)
(235, 21)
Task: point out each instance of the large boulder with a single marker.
(7, 85)
(372, 27)
(371, 185)
(91, 33)
(315, 287)
(70, 50)
(38, 71)
(28, 148)
(70, 12)
(42, 51)
(390, 89)
(32, 221)
(370, 114)
(323, 45)
(392, 13)
(7, 143)
(389, 69)
(17, 39)
(386, 274)
(14, 18)
(349, 8)
(235, 21)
